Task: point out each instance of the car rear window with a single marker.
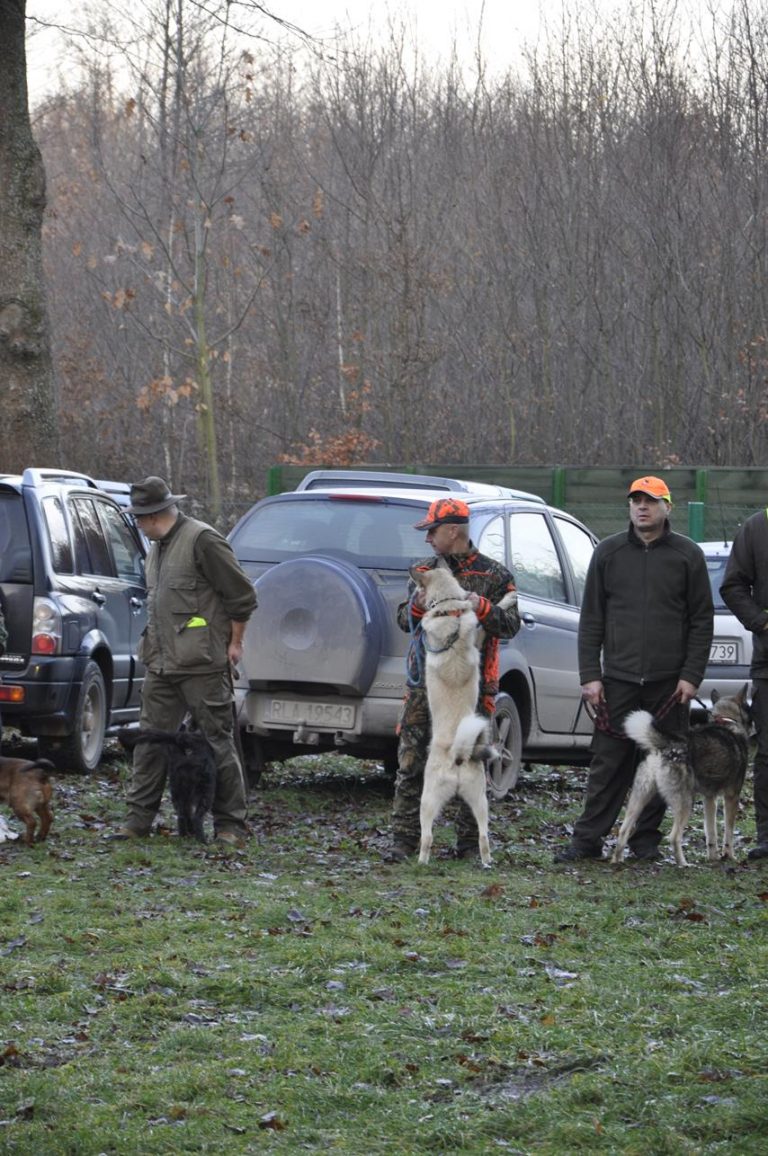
(716, 569)
(15, 548)
(374, 531)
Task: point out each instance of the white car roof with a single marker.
(419, 495)
(407, 485)
(718, 549)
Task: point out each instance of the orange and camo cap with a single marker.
(654, 487)
(444, 511)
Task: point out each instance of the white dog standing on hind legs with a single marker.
(455, 763)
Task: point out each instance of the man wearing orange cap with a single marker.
(447, 527)
(644, 638)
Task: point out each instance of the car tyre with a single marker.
(81, 751)
(251, 751)
(507, 736)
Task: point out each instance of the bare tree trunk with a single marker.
(28, 430)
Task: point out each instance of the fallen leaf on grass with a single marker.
(14, 945)
(716, 1076)
(560, 977)
(382, 993)
(540, 939)
(10, 1056)
(273, 1121)
(686, 909)
(471, 1037)
(492, 891)
(334, 1013)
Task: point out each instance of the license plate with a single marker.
(724, 652)
(335, 716)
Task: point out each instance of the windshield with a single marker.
(373, 529)
(15, 549)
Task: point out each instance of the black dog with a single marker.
(191, 769)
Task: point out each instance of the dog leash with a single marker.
(601, 718)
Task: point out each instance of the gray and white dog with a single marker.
(712, 762)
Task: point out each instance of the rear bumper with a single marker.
(51, 687)
(330, 723)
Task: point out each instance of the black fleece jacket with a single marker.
(647, 608)
(745, 586)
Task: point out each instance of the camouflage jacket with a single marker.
(491, 581)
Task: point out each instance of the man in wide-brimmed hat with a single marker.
(199, 602)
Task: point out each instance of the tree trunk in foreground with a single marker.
(28, 421)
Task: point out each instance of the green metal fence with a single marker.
(708, 504)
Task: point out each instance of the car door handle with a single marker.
(98, 598)
(527, 618)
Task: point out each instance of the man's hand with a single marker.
(235, 647)
(685, 691)
(235, 652)
(592, 692)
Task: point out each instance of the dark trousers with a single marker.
(165, 701)
(760, 719)
(614, 762)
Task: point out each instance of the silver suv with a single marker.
(324, 660)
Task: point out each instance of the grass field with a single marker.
(304, 996)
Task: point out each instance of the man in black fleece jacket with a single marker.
(644, 636)
(745, 593)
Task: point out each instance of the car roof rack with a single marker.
(35, 476)
(354, 479)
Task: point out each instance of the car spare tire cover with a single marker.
(319, 620)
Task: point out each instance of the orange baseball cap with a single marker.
(444, 511)
(654, 487)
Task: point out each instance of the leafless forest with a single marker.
(256, 252)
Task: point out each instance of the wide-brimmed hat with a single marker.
(151, 496)
(444, 511)
(653, 487)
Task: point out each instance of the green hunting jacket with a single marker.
(196, 589)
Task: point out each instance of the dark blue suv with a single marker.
(74, 597)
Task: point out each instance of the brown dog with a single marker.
(26, 788)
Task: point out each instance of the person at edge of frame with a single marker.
(745, 592)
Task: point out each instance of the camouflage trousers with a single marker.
(413, 747)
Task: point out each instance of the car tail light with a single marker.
(46, 627)
(12, 694)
